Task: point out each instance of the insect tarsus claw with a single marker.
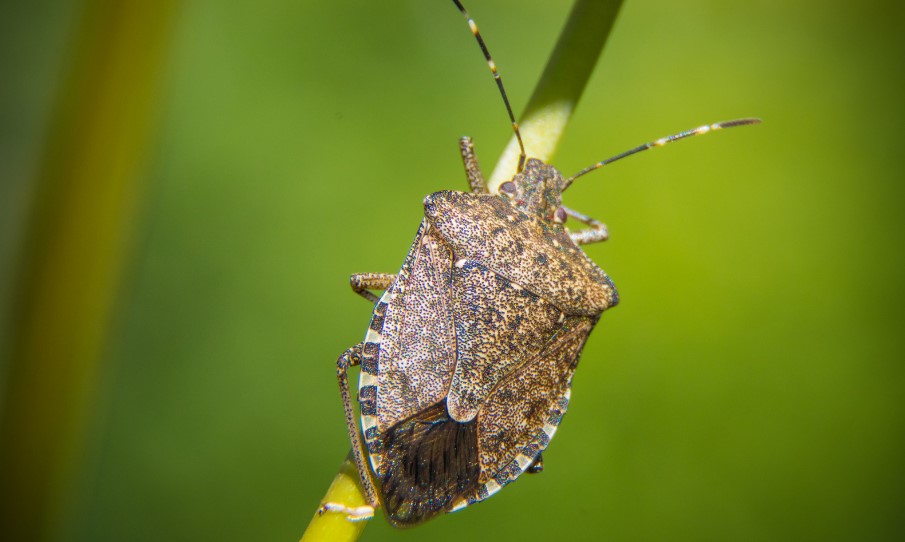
(358, 513)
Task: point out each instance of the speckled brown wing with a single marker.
(523, 412)
(417, 353)
(421, 457)
(410, 345)
(499, 324)
(536, 255)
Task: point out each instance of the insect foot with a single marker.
(358, 513)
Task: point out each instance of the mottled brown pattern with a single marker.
(477, 340)
(538, 189)
(512, 416)
(467, 363)
(417, 350)
(499, 325)
(523, 247)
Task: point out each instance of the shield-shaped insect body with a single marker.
(468, 360)
(467, 363)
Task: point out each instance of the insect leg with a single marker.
(472, 169)
(362, 283)
(596, 231)
(351, 358)
(537, 465)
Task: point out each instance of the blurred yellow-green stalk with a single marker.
(185, 187)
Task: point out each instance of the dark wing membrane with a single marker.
(541, 257)
(430, 460)
(417, 347)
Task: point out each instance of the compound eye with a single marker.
(508, 188)
(560, 216)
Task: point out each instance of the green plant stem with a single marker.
(560, 87)
(346, 489)
(542, 126)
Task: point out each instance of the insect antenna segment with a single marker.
(663, 141)
(499, 82)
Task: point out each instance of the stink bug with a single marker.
(466, 367)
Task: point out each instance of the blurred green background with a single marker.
(748, 387)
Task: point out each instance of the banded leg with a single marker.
(362, 283)
(595, 232)
(351, 358)
(537, 465)
(472, 169)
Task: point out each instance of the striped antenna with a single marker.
(499, 83)
(663, 141)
